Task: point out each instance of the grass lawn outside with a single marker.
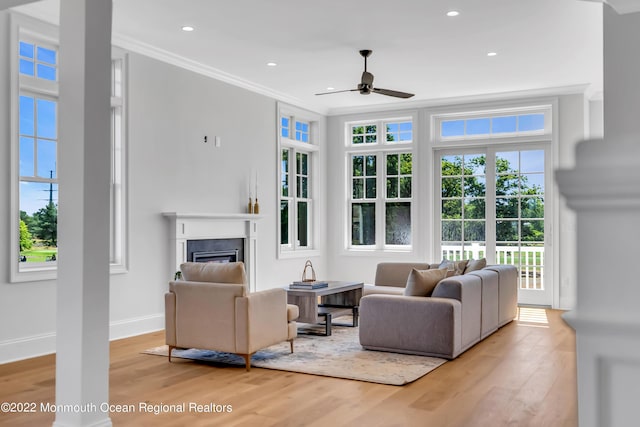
(39, 254)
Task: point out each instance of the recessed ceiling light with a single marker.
(453, 13)
(187, 28)
(330, 88)
(491, 54)
(271, 64)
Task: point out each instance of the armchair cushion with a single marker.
(231, 272)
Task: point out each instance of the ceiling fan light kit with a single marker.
(365, 87)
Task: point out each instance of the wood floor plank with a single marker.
(522, 375)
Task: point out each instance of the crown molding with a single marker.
(582, 89)
(6, 4)
(133, 45)
(622, 7)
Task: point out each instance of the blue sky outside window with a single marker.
(452, 128)
(26, 115)
(503, 124)
(26, 67)
(532, 161)
(284, 124)
(406, 131)
(530, 122)
(26, 156)
(478, 126)
(302, 131)
(46, 119)
(26, 50)
(46, 159)
(47, 56)
(47, 73)
(35, 195)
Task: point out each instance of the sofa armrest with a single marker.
(415, 325)
(170, 318)
(467, 289)
(261, 320)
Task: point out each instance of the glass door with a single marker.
(493, 204)
(520, 213)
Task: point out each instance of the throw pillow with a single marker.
(456, 266)
(421, 283)
(475, 264)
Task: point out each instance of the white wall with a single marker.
(170, 110)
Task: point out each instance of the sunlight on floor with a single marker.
(530, 316)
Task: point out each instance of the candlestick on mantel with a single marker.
(256, 185)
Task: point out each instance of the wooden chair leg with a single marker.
(291, 344)
(247, 361)
(171, 347)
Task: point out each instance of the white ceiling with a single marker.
(416, 47)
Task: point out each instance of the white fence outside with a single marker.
(529, 260)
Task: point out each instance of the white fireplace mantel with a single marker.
(197, 226)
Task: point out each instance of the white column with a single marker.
(604, 190)
(82, 355)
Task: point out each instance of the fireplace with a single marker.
(215, 250)
(216, 256)
(213, 238)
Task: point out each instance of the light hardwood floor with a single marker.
(522, 375)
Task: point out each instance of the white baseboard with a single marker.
(40, 345)
(136, 326)
(26, 347)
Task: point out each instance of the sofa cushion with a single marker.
(475, 264)
(396, 273)
(384, 290)
(422, 282)
(216, 272)
(458, 266)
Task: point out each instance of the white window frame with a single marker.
(506, 137)
(381, 148)
(516, 141)
(32, 30)
(313, 150)
(119, 216)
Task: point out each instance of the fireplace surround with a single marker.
(191, 233)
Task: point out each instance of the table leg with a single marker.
(327, 326)
(355, 316)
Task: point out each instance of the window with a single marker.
(298, 193)
(118, 193)
(380, 160)
(494, 124)
(37, 154)
(494, 197)
(35, 143)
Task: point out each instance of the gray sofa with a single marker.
(461, 311)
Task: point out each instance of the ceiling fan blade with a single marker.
(338, 91)
(390, 92)
(367, 78)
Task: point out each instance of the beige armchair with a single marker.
(211, 309)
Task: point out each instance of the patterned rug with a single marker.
(339, 355)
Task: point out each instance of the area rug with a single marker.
(339, 355)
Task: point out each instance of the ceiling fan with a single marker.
(365, 87)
